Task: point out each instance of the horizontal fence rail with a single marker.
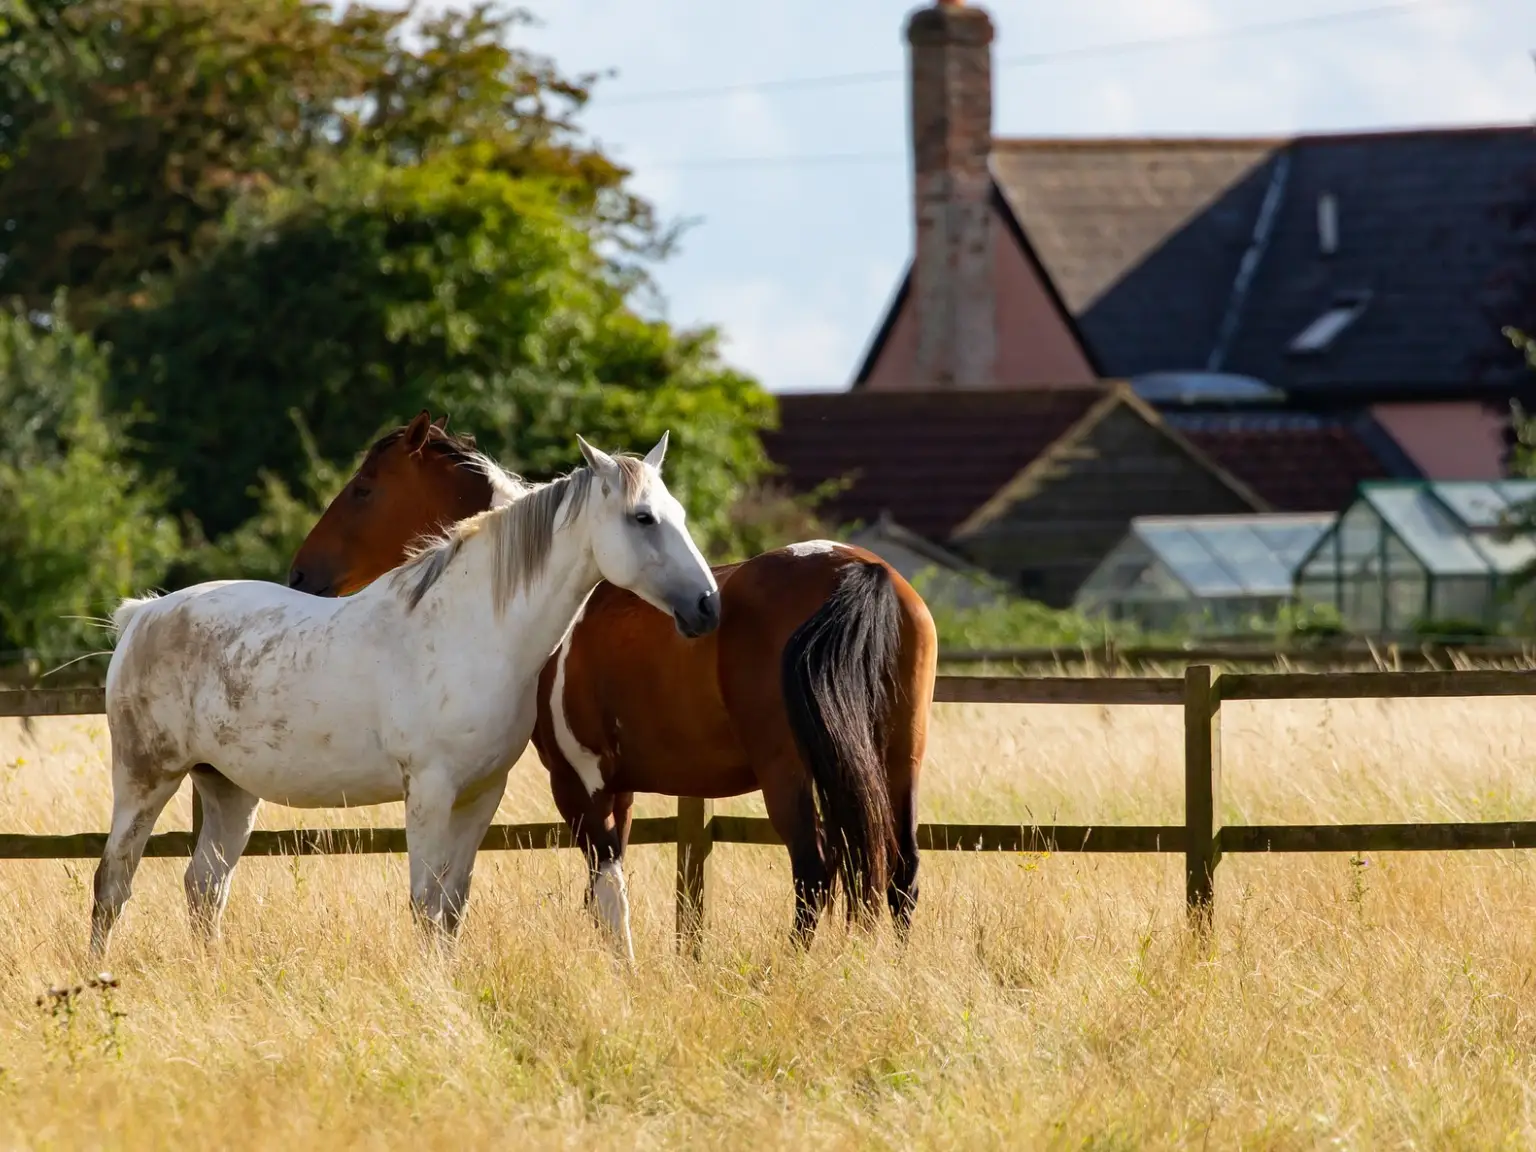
(696, 829)
(1334, 652)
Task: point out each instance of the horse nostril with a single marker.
(709, 604)
(295, 578)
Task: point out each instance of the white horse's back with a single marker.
(275, 688)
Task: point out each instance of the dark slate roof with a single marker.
(926, 458)
(1296, 461)
(1145, 238)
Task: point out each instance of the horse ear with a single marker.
(441, 423)
(599, 461)
(416, 432)
(659, 453)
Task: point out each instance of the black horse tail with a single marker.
(837, 674)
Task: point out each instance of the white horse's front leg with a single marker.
(442, 836)
(467, 827)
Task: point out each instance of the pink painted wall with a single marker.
(1033, 345)
(1447, 441)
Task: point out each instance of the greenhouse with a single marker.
(1422, 556)
(1202, 574)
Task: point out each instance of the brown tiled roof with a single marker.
(1298, 463)
(927, 458)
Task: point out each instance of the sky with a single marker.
(800, 195)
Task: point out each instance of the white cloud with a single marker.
(782, 338)
(798, 341)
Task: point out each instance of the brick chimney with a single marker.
(951, 71)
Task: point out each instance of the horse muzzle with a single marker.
(699, 618)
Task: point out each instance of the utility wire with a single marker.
(1035, 59)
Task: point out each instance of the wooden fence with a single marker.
(1201, 838)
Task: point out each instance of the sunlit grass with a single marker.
(1045, 1001)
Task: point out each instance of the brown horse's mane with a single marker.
(440, 442)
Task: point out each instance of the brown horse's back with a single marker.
(627, 667)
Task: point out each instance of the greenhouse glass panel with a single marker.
(1477, 505)
(1462, 598)
(1253, 563)
(1406, 587)
(1189, 560)
(1116, 574)
(1291, 542)
(1313, 593)
(1362, 606)
(1421, 523)
(1360, 531)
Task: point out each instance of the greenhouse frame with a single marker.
(1417, 556)
(1202, 574)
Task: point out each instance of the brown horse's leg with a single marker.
(623, 817)
(792, 811)
(904, 761)
(906, 743)
(596, 833)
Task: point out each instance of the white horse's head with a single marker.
(641, 542)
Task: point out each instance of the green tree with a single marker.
(450, 284)
(79, 527)
(128, 128)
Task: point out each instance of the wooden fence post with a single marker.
(695, 840)
(1202, 791)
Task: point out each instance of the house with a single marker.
(1034, 486)
(1095, 330)
(1211, 574)
(1346, 276)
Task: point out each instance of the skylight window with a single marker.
(1322, 332)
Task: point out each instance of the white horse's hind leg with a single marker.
(443, 835)
(229, 812)
(138, 798)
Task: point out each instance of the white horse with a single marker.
(419, 688)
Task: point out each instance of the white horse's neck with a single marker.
(460, 611)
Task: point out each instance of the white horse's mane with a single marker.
(520, 529)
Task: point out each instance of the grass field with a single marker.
(1044, 1002)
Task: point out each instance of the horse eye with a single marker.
(644, 519)
(361, 492)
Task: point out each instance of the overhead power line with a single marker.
(1036, 59)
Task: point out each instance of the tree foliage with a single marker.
(448, 285)
(79, 526)
(283, 219)
(139, 123)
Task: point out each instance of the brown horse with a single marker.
(815, 688)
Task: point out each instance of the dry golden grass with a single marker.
(1051, 1002)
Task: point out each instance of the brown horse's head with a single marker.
(415, 481)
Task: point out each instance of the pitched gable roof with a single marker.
(938, 460)
(1145, 240)
(927, 458)
(1120, 397)
(1297, 462)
